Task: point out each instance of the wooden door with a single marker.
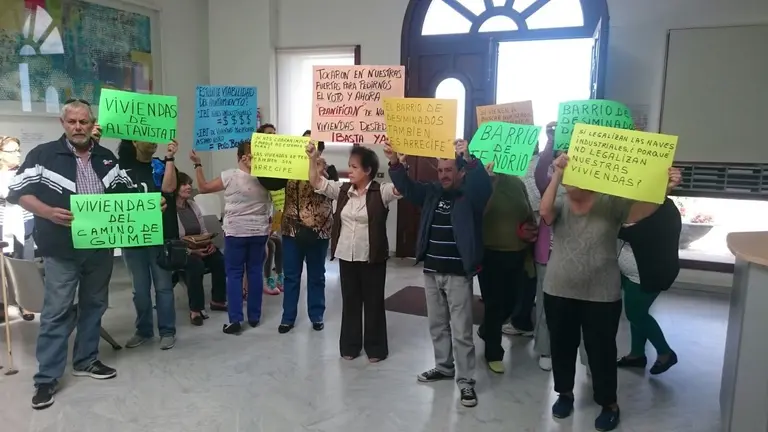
(599, 56)
(474, 64)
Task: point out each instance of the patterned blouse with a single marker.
(305, 207)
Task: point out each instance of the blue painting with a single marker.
(225, 116)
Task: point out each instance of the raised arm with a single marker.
(546, 157)
(415, 192)
(215, 185)
(317, 180)
(641, 210)
(547, 208)
(477, 182)
(169, 177)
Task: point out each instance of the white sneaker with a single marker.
(545, 363)
(510, 330)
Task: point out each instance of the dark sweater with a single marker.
(655, 243)
(466, 213)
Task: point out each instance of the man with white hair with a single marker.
(50, 175)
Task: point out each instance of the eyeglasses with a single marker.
(82, 101)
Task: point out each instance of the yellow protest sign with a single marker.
(421, 127)
(278, 199)
(625, 163)
(516, 112)
(279, 156)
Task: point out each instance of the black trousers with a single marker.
(567, 320)
(362, 294)
(193, 276)
(522, 315)
(501, 280)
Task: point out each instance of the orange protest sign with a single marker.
(348, 102)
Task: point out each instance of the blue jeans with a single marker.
(293, 264)
(91, 271)
(144, 270)
(244, 255)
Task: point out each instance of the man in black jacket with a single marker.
(50, 174)
(450, 243)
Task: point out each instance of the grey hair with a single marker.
(76, 105)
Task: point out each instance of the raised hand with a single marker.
(96, 132)
(462, 149)
(312, 152)
(675, 178)
(173, 147)
(390, 154)
(194, 157)
(560, 163)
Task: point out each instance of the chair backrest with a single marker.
(210, 204)
(213, 225)
(25, 280)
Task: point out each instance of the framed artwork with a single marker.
(54, 50)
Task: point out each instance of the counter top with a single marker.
(749, 246)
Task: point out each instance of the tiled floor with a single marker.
(263, 381)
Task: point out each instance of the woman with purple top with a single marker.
(541, 251)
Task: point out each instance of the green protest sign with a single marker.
(116, 220)
(592, 112)
(509, 146)
(137, 116)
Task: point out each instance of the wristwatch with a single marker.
(198, 166)
(169, 159)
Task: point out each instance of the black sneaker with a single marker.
(637, 362)
(197, 320)
(659, 367)
(608, 419)
(232, 328)
(253, 324)
(433, 375)
(97, 370)
(43, 397)
(318, 326)
(284, 328)
(468, 397)
(563, 407)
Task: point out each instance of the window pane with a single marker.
(475, 6)
(499, 3)
(556, 14)
(443, 19)
(498, 23)
(295, 84)
(451, 88)
(708, 221)
(521, 5)
(545, 84)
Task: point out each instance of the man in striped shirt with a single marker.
(451, 245)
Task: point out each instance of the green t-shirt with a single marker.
(507, 208)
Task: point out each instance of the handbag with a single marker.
(199, 241)
(173, 255)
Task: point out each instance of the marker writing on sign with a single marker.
(139, 114)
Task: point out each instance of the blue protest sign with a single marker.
(224, 116)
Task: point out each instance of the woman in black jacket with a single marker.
(649, 262)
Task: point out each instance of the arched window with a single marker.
(452, 88)
(485, 16)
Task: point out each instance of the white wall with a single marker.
(184, 45)
(638, 39)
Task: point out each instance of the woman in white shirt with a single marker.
(247, 208)
(359, 241)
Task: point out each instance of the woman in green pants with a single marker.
(643, 327)
(649, 264)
